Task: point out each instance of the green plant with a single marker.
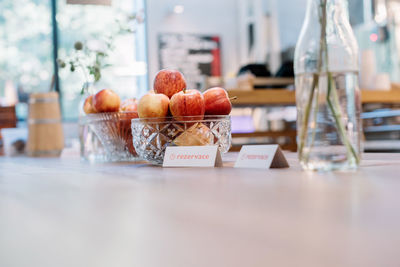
(91, 61)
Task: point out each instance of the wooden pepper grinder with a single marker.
(45, 133)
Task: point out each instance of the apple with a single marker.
(169, 82)
(128, 105)
(153, 106)
(197, 135)
(217, 101)
(106, 101)
(125, 131)
(88, 105)
(187, 103)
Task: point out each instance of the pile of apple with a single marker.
(107, 100)
(171, 98)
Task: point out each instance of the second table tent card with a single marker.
(261, 157)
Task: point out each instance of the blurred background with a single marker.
(246, 46)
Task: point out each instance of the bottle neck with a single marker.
(335, 11)
(326, 41)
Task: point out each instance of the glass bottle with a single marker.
(327, 93)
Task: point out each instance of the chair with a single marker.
(8, 119)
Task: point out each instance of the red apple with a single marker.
(106, 101)
(88, 105)
(217, 101)
(169, 82)
(128, 105)
(153, 106)
(187, 103)
(124, 130)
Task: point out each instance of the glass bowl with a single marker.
(152, 136)
(114, 131)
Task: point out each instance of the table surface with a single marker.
(62, 212)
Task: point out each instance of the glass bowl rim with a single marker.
(103, 116)
(186, 119)
(109, 113)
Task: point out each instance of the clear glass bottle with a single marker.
(327, 93)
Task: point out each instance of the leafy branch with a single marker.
(92, 61)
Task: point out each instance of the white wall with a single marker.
(290, 14)
(211, 17)
(219, 17)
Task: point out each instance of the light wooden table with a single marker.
(60, 212)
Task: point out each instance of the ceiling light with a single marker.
(179, 9)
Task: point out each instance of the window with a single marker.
(93, 25)
(28, 61)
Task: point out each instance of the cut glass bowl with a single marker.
(115, 133)
(152, 136)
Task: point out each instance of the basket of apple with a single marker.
(172, 115)
(110, 119)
